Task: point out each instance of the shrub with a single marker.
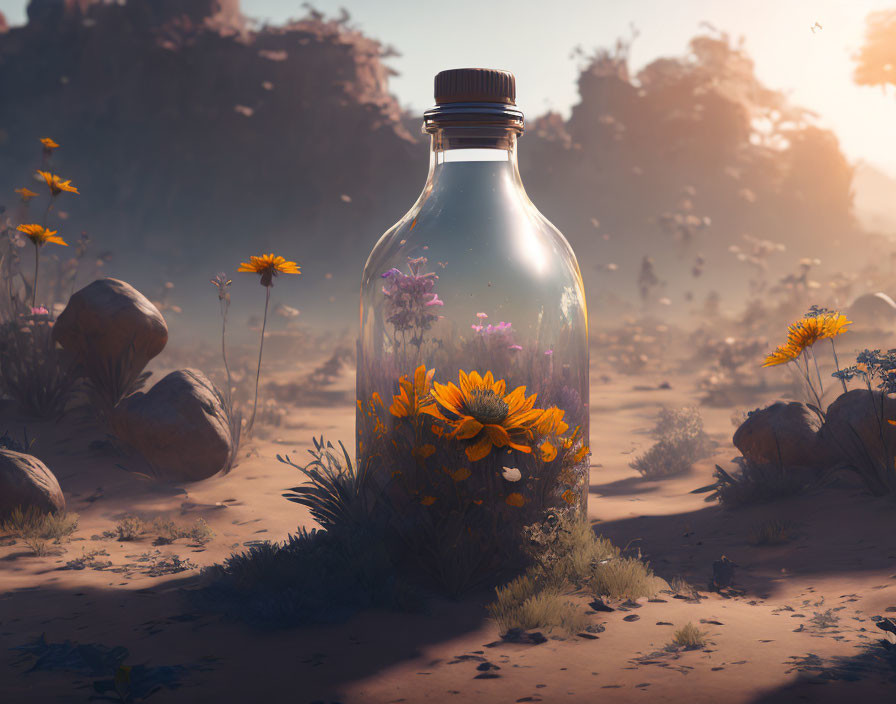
(522, 604)
(167, 531)
(37, 529)
(755, 483)
(567, 557)
(689, 637)
(316, 576)
(128, 528)
(337, 494)
(34, 372)
(680, 441)
(773, 532)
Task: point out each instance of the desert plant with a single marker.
(754, 483)
(38, 529)
(337, 494)
(689, 637)
(816, 325)
(773, 532)
(267, 267)
(128, 528)
(167, 531)
(680, 441)
(568, 557)
(315, 576)
(34, 371)
(524, 605)
(870, 459)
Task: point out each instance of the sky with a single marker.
(522, 36)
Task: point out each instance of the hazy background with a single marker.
(535, 40)
(727, 141)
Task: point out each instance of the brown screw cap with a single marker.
(475, 85)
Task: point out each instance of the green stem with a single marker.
(36, 264)
(837, 363)
(267, 300)
(224, 351)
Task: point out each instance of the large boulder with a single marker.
(784, 434)
(180, 427)
(113, 331)
(26, 482)
(857, 431)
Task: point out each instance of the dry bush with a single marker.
(523, 605)
(568, 557)
(624, 578)
(689, 637)
(755, 483)
(680, 441)
(773, 532)
(34, 371)
(37, 529)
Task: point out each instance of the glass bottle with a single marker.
(472, 382)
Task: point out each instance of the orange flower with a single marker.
(412, 397)
(56, 184)
(480, 411)
(48, 143)
(548, 451)
(268, 266)
(26, 194)
(784, 354)
(39, 235)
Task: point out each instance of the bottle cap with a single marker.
(475, 85)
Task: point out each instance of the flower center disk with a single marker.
(486, 406)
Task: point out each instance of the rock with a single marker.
(856, 430)
(722, 574)
(782, 434)
(25, 481)
(113, 331)
(873, 311)
(179, 427)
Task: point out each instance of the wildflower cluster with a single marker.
(872, 366)
(412, 302)
(817, 324)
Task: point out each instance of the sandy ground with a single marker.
(801, 630)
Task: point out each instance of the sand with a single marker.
(798, 627)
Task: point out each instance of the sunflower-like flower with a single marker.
(782, 355)
(39, 235)
(56, 184)
(481, 411)
(819, 324)
(26, 194)
(269, 266)
(413, 395)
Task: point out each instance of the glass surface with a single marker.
(473, 357)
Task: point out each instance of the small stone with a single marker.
(632, 617)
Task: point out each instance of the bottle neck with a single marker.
(496, 147)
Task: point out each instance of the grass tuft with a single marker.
(524, 605)
(773, 532)
(38, 529)
(689, 637)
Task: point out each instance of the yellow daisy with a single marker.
(48, 143)
(56, 184)
(40, 235)
(269, 266)
(479, 410)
